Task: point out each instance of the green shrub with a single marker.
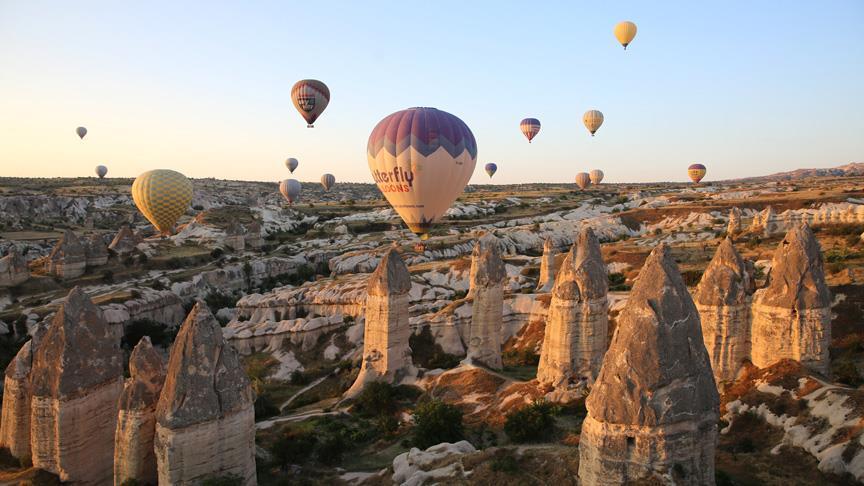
(437, 422)
(377, 398)
(293, 447)
(160, 334)
(217, 300)
(616, 282)
(504, 462)
(534, 423)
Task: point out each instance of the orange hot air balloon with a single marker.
(596, 176)
(583, 180)
(696, 172)
(625, 32)
(592, 120)
(530, 128)
(310, 97)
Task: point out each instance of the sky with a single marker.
(203, 87)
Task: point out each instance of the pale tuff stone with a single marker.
(547, 267)
(13, 269)
(15, 423)
(652, 413)
(765, 222)
(386, 353)
(253, 237)
(577, 323)
(487, 293)
(723, 300)
(235, 237)
(734, 226)
(792, 314)
(125, 242)
(95, 251)
(67, 259)
(205, 424)
(134, 457)
(77, 377)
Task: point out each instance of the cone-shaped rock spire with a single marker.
(487, 291)
(547, 267)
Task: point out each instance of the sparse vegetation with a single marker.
(436, 422)
(533, 423)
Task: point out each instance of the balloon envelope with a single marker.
(290, 189)
(101, 170)
(162, 196)
(583, 180)
(327, 180)
(81, 131)
(491, 169)
(530, 128)
(310, 97)
(625, 32)
(592, 120)
(596, 176)
(421, 159)
(696, 172)
(292, 164)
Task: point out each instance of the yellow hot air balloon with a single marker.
(696, 172)
(625, 32)
(162, 196)
(592, 120)
(583, 180)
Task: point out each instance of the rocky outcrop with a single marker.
(125, 242)
(95, 251)
(577, 323)
(653, 411)
(765, 222)
(77, 377)
(134, 457)
(162, 306)
(205, 423)
(15, 422)
(253, 237)
(547, 267)
(68, 259)
(723, 299)
(734, 226)
(235, 237)
(792, 314)
(386, 354)
(13, 269)
(487, 293)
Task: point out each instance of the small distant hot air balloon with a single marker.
(327, 180)
(592, 120)
(696, 172)
(81, 131)
(101, 170)
(491, 168)
(162, 196)
(290, 189)
(583, 180)
(292, 164)
(530, 127)
(596, 176)
(625, 32)
(310, 97)
(421, 159)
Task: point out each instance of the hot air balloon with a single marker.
(81, 131)
(491, 169)
(592, 120)
(327, 180)
(421, 159)
(310, 97)
(596, 176)
(290, 189)
(625, 32)
(530, 127)
(101, 170)
(292, 164)
(696, 172)
(162, 196)
(583, 180)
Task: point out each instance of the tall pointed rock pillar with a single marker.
(723, 299)
(205, 421)
(487, 293)
(792, 314)
(652, 413)
(77, 377)
(15, 422)
(577, 322)
(386, 354)
(734, 226)
(547, 267)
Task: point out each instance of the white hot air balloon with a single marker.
(592, 120)
(292, 164)
(101, 170)
(290, 189)
(596, 176)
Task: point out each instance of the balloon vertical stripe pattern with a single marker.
(592, 120)
(162, 196)
(596, 176)
(530, 128)
(583, 180)
(310, 97)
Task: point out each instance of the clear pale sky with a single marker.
(747, 88)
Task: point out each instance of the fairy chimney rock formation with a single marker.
(67, 259)
(386, 354)
(734, 226)
(577, 321)
(125, 242)
(134, 457)
(723, 300)
(487, 294)
(95, 251)
(652, 413)
(792, 314)
(77, 376)
(15, 422)
(235, 237)
(13, 269)
(205, 421)
(547, 267)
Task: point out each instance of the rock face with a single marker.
(386, 354)
(723, 299)
(67, 259)
(134, 457)
(95, 251)
(253, 237)
(792, 314)
(487, 294)
(125, 242)
(652, 413)
(205, 422)
(734, 226)
(13, 269)
(235, 237)
(77, 377)
(15, 423)
(577, 323)
(547, 267)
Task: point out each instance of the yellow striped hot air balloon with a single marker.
(625, 32)
(162, 196)
(696, 172)
(592, 120)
